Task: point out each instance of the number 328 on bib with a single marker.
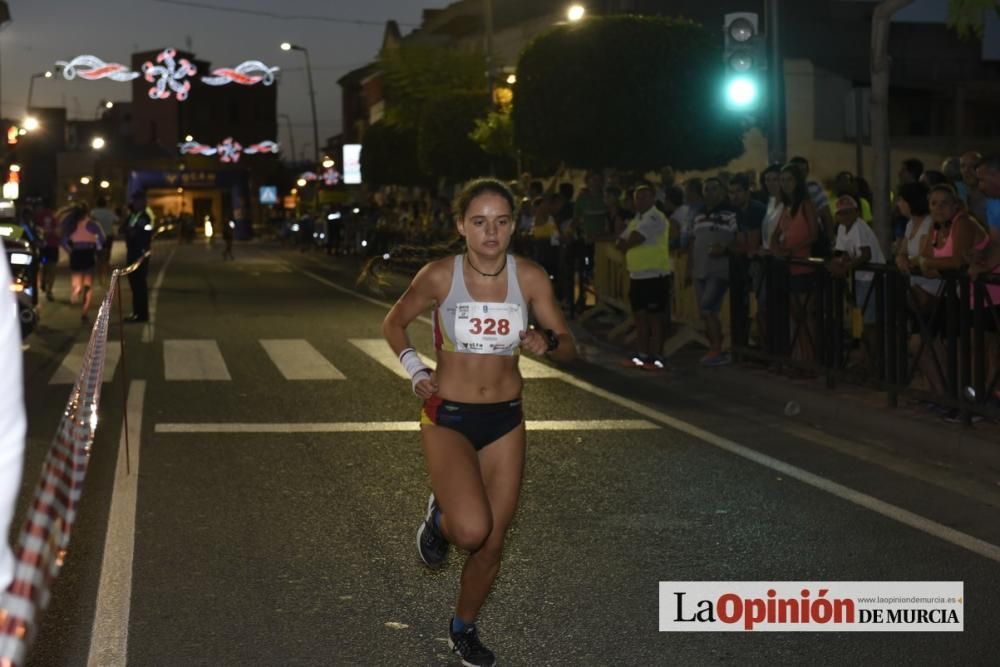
(488, 328)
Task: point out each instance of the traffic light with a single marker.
(744, 61)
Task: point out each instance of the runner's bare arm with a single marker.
(541, 299)
(423, 292)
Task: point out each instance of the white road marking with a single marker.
(298, 360)
(888, 510)
(410, 425)
(379, 350)
(149, 330)
(109, 634)
(71, 364)
(193, 360)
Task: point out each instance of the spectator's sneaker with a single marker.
(656, 364)
(431, 545)
(466, 645)
(718, 359)
(635, 361)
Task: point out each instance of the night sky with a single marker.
(43, 31)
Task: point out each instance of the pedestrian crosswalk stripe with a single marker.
(298, 360)
(399, 426)
(379, 350)
(73, 362)
(193, 360)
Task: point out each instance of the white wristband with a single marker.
(413, 366)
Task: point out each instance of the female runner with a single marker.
(472, 425)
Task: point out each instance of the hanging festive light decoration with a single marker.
(93, 68)
(228, 150)
(170, 75)
(331, 176)
(308, 176)
(248, 73)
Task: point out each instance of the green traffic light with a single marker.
(741, 93)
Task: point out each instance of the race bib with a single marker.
(488, 328)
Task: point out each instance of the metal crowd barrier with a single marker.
(822, 320)
(45, 535)
(611, 286)
(950, 340)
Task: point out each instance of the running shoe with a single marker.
(466, 645)
(431, 545)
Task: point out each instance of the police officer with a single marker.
(138, 230)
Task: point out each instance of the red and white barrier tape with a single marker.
(44, 537)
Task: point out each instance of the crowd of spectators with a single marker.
(943, 220)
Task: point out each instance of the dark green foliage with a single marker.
(444, 147)
(626, 92)
(389, 156)
(416, 74)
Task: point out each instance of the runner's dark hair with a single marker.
(478, 187)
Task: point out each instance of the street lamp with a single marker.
(575, 13)
(511, 79)
(103, 106)
(291, 135)
(30, 124)
(328, 163)
(47, 74)
(97, 143)
(188, 137)
(105, 185)
(288, 46)
(85, 180)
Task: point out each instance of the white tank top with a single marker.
(462, 324)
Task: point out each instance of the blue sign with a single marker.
(269, 194)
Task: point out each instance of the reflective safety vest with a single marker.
(649, 256)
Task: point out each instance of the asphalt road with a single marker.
(297, 548)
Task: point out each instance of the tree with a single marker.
(627, 92)
(389, 156)
(967, 17)
(415, 75)
(444, 147)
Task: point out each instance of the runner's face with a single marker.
(487, 225)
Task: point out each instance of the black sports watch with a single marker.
(552, 338)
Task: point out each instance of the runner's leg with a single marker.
(458, 486)
(502, 466)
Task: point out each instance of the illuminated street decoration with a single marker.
(331, 176)
(308, 176)
(169, 75)
(248, 73)
(93, 68)
(229, 150)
